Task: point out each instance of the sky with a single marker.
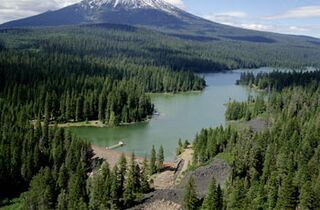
(301, 17)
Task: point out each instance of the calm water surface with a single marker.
(181, 116)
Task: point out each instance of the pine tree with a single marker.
(287, 194)
(316, 190)
(118, 180)
(130, 191)
(213, 200)
(99, 188)
(152, 163)
(62, 201)
(112, 120)
(160, 158)
(220, 197)
(41, 192)
(116, 188)
(307, 198)
(190, 200)
(63, 177)
(145, 186)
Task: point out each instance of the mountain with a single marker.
(171, 36)
(156, 14)
(132, 12)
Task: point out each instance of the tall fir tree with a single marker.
(213, 200)
(160, 158)
(152, 162)
(190, 200)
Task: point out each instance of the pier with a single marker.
(120, 144)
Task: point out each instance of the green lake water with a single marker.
(180, 116)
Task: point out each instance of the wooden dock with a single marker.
(120, 144)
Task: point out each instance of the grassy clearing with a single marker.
(226, 156)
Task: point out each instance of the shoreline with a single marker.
(112, 156)
(96, 124)
(91, 123)
(176, 93)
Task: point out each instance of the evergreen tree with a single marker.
(307, 198)
(132, 183)
(160, 158)
(41, 193)
(287, 194)
(62, 201)
(152, 162)
(190, 200)
(116, 188)
(145, 186)
(213, 200)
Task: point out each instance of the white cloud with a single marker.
(277, 28)
(256, 26)
(301, 12)
(15, 9)
(229, 18)
(243, 20)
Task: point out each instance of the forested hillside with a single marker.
(72, 77)
(278, 167)
(104, 72)
(205, 51)
(52, 76)
(58, 171)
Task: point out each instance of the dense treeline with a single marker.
(69, 88)
(25, 149)
(278, 79)
(79, 74)
(247, 110)
(277, 168)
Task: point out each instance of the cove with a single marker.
(180, 116)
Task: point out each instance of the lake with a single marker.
(180, 116)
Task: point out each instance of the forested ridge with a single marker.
(278, 167)
(177, 51)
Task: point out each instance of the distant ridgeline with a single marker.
(277, 167)
(279, 80)
(207, 52)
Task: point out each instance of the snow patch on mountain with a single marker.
(130, 4)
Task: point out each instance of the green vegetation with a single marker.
(171, 50)
(181, 147)
(214, 198)
(276, 168)
(279, 80)
(78, 74)
(53, 166)
(156, 160)
(190, 200)
(74, 75)
(245, 110)
(90, 73)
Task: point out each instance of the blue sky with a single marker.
(284, 16)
